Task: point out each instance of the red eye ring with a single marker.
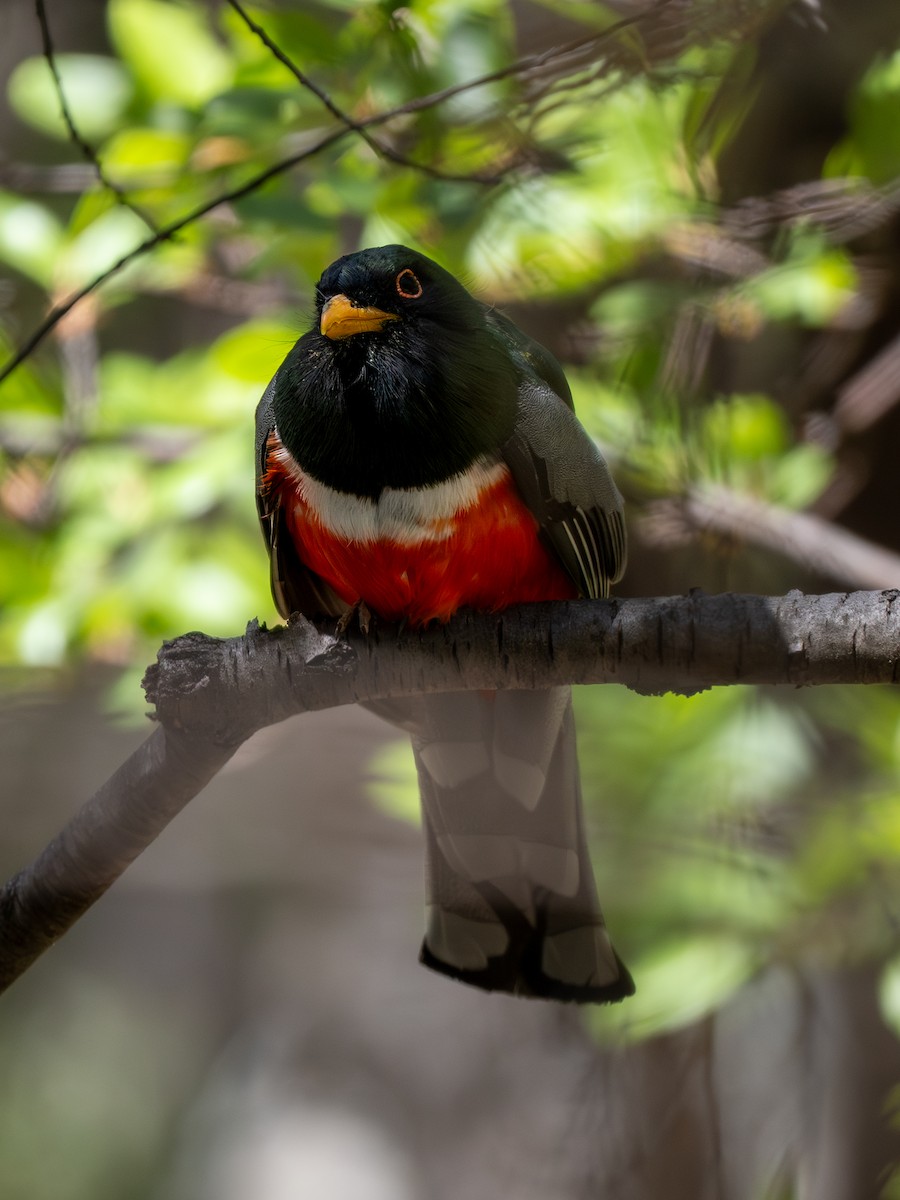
(405, 281)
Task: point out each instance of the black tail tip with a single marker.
(519, 977)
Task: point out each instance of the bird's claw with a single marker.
(359, 611)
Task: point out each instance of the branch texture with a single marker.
(211, 694)
(227, 689)
(120, 820)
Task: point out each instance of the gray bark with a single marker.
(211, 694)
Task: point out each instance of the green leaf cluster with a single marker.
(737, 829)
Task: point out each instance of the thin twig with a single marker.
(530, 62)
(166, 232)
(382, 149)
(74, 134)
(805, 538)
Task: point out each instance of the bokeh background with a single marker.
(700, 215)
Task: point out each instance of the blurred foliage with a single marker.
(872, 151)
(734, 829)
(736, 842)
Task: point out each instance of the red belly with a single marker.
(490, 557)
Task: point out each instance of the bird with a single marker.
(418, 454)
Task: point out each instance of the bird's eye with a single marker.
(408, 285)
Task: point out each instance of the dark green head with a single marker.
(401, 383)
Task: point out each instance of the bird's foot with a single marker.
(360, 612)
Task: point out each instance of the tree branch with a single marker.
(224, 690)
(211, 694)
(814, 542)
(74, 133)
(120, 820)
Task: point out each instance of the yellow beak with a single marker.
(341, 318)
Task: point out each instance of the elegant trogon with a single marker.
(417, 453)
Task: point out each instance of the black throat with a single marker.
(406, 407)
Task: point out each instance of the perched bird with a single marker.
(417, 453)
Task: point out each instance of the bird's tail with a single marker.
(512, 904)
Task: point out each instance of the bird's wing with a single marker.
(564, 480)
(561, 474)
(532, 359)
(294, 587)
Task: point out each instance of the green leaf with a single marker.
(44, 635)
(800, 476)
(716, 109)
(30, 238)
(187, 391)
(97, 92)
(27, 399)
(89, 207)
(746, 428)
(257, 114)
(170, 49)
(254, 351)
(811, 287)
(634, 306)
(101, 244)
(873, 148)
(680, 982)
(148, 157)
(746, 440)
